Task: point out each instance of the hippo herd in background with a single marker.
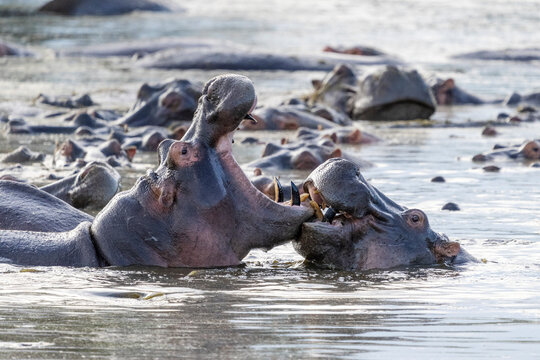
(199, 208)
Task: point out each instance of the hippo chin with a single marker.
(362, 229)
(198, 209)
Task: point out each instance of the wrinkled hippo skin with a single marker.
(198, 209)
(91, 187)
(447, 93)
(306, 153)
(22, 155)
(161, 104)
(100, 8)
(387, 93)
(530, 54)
(529, 150)
(70, 102)
(369, 231)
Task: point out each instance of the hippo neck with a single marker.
(270, 224)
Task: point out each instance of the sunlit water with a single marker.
(275, 307)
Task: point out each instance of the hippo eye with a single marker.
(415, 218)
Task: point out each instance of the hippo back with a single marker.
(24, 207)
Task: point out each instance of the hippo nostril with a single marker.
(184, 151)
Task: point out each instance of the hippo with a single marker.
(354, 50)
(100, 8)
(140, 47)
(286, 117)
(387, 93)
(197, 209)
(9, 49)
(80, 152)
(343, 135)
(447, 93)
(22, 155)
(225, 58)
(26, 208)
(529, 150)
(391, 93)
(90, 188)
(515, 99)
(362, 229)
(527, 54)
(162, 104)
(306, 153)
(70, 102)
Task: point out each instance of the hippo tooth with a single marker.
(304, 197)
(278, 191)
(329, 215)
(317, 208)
(250, 117)
(295, 195)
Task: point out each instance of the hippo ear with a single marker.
(130, 152)
(336, 153)
(163, 150)
(316, 83)
(446, 249)
(355, 136)
(448, 84)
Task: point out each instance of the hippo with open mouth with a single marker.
(197, 209)
(362, 229)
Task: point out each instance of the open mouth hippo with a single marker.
(362, 229)
(198, 209)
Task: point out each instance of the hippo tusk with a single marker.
(250, 117)
(278, 191)
(329, 215)
(295, 195)
(317, 208)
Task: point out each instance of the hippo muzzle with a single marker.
(362, 229)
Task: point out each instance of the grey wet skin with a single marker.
(97, 7)
(370, 231)
(198, 209)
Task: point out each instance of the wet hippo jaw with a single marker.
(369, 231)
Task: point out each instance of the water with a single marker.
(274, 307)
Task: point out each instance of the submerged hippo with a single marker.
(527, 54)
(70, 102)
(306, 153)
(198, 209)
(447, 93)
(22, 155)
(362, 229)
(286, 117)
(161, 104)
(9, 49)
(99, 7)
(80, 152)
(529, 150)
(388, 93)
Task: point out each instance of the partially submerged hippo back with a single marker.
(370, 230)
(391, 93)
(100, 7)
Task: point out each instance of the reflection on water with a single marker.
(275, 307)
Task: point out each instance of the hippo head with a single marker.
(530, 150)
(337, 90)
(198, 208)
(94, 185)
(363, 229)
(162, 104)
